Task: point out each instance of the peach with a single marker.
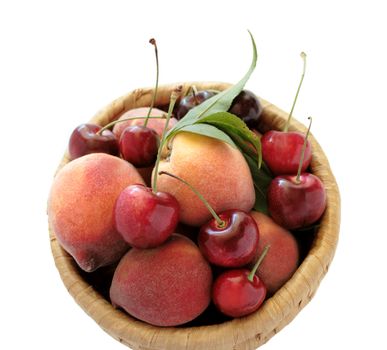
(217, 170)
(156, 124)
(282, 258)
(164, 286)
(80, 208)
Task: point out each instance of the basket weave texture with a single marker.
(244, 333)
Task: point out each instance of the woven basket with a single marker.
(243, 333)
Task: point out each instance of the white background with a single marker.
(61, 61)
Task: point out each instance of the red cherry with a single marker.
(234, 295)
(85, 139)
(281, 151)
(239, 292)
(231, 244)
(139, 145)
(145, 219)
(296, 203)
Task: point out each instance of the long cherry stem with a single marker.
(219, 221)
(250, 277)
(153, 42)
(303, 152)
(174, 96)
(114, 122)
(303, 56)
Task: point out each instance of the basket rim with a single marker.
(254, 329)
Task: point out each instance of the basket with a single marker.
(244, 333)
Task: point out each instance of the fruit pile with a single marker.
(190, 210)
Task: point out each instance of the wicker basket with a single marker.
(243, 333)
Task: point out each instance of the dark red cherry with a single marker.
(192, 100)
(239, 292)
(247, 107)
(139, 145)
(296, 203)
(231, 244)
(85, 139)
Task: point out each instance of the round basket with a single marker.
(242, 333)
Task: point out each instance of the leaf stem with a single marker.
(303, 56)
(153, 42)
(219, 221)
(114, 122)
(303, 152)
(174, 96)
(255, 268)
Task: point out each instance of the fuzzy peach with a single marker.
(80, 208)
(217, 170)
(282, 258)
(164, 286)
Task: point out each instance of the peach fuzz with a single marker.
(217, 170)
(164, 286)
(282, 258)
(80, 208)
(156, 124)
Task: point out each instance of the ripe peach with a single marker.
(217, 170)
(80, 208)
(282, 258)
(156, 124)
(164, 286)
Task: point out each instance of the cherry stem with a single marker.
(303, 56)
(219, 221)
(303, 152)
(114, 122)
(195, 93)
(153, 42)
(250, 277)
(174, 96)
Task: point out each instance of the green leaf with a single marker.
(238, 131)
(218, 103)
(261, 181)
(210, 131)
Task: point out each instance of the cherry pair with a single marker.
(138, 144)
(295, 198)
